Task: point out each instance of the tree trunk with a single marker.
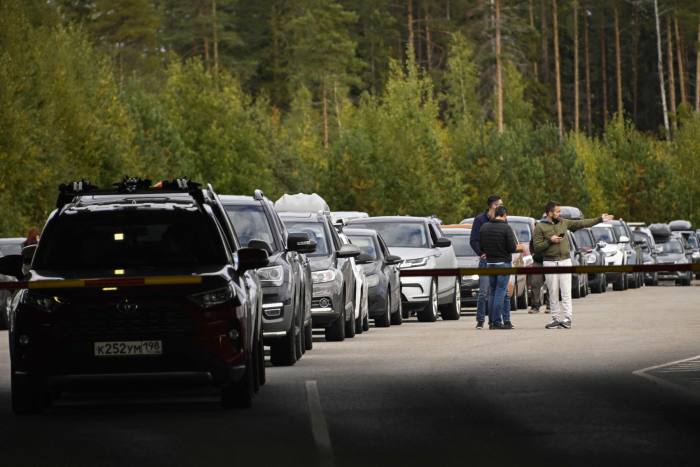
(681, 62)
(618, 62)
(409, 22)
(587, 52)
(324, 105)
(545, 43)
(660, 65)
(215, 35)
(428, 39)
(603, 68)
(557, 67)
(531, 10)
(697, 72)
(499, 71)
(576, 69)
(635, 64)
(671, 73)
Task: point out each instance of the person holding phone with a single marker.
(550, 243)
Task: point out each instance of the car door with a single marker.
(391, 271)
(445, 259)
(344, 265)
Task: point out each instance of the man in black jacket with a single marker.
(492, 202)
(498, 242)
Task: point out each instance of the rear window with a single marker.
(250, 223)
(8, 249)
(522, 230)
(672, 246)
(399, 235)
(316, 232)
(604, 234)
(131, 240)
(460, 243)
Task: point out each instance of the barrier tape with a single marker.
(103, 283)
(549, 270)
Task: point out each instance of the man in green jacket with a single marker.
(550, 241)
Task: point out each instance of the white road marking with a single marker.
(319, 428)
(644, 373)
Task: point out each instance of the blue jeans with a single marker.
(498, 285)
(483, 297)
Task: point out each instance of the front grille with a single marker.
(108, 321)
(316, 302)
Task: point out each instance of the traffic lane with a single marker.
(422, 392)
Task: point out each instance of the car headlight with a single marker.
(42, 302)
(327, 275)
(373, 280)
(214, 297)
(696, 255)
(473, 277)
(590, 259)
(414, 263)
(273, 275)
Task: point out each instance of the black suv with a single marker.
(286, 282)
(149, 282)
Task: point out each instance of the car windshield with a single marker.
(250, 223)
(7, 249)
(399, 234)
(522, 230)
(693, 241)
(366, 244)
(583, 239)
(604, 234)
(460, 243)
(640, 237)
(131, 240)
(316, 232)
(619, 230)
(672, 246)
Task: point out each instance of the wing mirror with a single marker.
(252, 258)
(348, 251)
(260, 245)
(393, 259)
(364, 258)
(624, 239)
(11, 265)
(301, 242)
(443, 242)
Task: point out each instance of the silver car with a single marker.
(422, 245)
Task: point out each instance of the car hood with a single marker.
(320, 263)
(670, 258)
(411, 253)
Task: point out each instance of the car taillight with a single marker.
(214, 297)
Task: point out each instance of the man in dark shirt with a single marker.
(492, 202)
(498, 243)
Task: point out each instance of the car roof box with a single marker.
(660, 231)
(680, 225)
(301, 202)
(571, 212)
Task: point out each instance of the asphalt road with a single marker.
(418, 394)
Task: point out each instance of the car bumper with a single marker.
(278, 310)
(323, 316)
(415, 292)
(469, 292)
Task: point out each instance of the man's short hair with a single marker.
(501, 211)
(492, 199)
(549, 207)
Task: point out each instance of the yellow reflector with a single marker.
(118, 237)
(118, 272)
(109, 289)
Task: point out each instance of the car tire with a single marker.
(576, 287)
(299, 340)
(283, 352)
(634, 282)
(358, 325)
(261, 373)
(350, 326)
(308, 336)
(429, 312)
(336, 331)
(397, 316)
(239, 394)
(365, 324)
(30, 394)
(451, 311)
(619, 284)
(384, 321)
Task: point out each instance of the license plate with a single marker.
(128, 348)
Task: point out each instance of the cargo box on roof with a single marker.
(301, 202)
(679, 225)
(660, 232)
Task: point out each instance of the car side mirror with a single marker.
(28, 254)
(393, 259)
(301, 242)
(364, 258)
(11, 265)
(624, 239)
(252, 258)
(260, 245)
(601, 244)
(348, 251)
(443, 242)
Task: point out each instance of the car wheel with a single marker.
(451, 310)
(365, 324)
(397, 316)
(384, 321)
(239, 394)
(283, 352)
(308, 336)
(299, 339)
(350, 326)
(575, 287)
(619, 284)
(336, 331)
(429, 312)
(633, 281)
(30, 393)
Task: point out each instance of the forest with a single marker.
(387, 106)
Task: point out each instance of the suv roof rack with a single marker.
(258, 195)
(67, 192)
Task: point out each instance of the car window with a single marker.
(604, 234)
(399, 234)
(251, 223)
(620, 230)
(382, 246)
(522, 230)
(460, 243)
(366, 244)
(10, 249)
(692, 241)
(131, 240)
(316, 231)
(583, 239)
(672, 246)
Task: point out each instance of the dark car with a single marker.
(382, 273)
(579, 282)
(200, 317)
(691, 242)
(333, 299)
(633, 252)
(286, 281)
(593, 256)
(645, 240)
(672, 252)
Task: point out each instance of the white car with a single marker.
(361, 292)
(613, 249)
(422, 245)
